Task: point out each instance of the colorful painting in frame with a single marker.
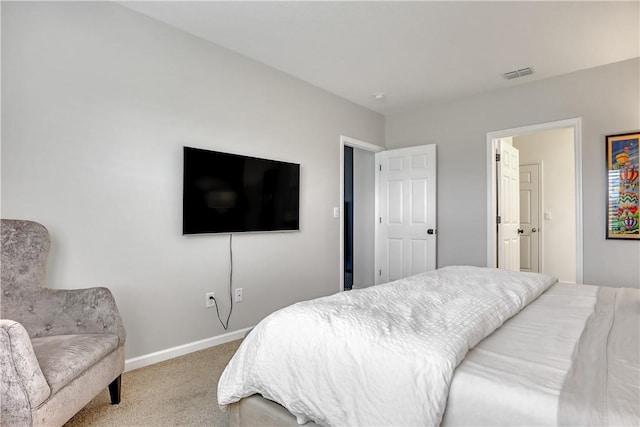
(623, 186)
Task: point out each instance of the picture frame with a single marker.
(623, 186)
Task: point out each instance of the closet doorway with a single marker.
(357, 213)
(388, 212)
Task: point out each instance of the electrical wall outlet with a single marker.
(210, 299)
(238, 294)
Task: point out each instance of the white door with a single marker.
(406, 238)
(530, 208)
(508, 207)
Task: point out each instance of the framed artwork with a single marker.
(623, 189)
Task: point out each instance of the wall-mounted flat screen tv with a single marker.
(225, 193)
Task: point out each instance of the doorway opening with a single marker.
(357, 212)
(347, 207)
(523, 134)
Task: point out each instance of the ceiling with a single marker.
(418, 53)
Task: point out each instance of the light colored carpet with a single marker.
(176, 392)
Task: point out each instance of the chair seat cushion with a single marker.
(64, 357)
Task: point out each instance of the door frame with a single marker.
(355, 143)
(492, 210)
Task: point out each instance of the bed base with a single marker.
(254, 411)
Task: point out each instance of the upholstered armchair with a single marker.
(59, 348)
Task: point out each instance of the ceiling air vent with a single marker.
(518, 73)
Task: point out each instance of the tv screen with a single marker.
(226, 193)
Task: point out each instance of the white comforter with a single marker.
(384, 355)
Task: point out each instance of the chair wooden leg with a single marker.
(114, 390)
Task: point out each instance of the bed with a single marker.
(456, 346)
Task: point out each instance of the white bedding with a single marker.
(514, 376)
(384, 355)
(570, 358)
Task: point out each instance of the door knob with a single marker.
(431, 231)
(533, 230)
(520, 231)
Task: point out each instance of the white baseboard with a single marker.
(170, 353)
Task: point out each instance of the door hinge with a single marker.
(380, 219)
(498, 219)
(380, 167)
(380, 272)
(497, 157)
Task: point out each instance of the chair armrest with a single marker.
(22, 385)
(48, 312)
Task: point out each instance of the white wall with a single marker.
(606, 98)
(364, 199)
(97, 102)
(554, 150)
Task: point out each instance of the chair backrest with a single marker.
(25, 247)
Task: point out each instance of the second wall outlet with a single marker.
(238, 294)
(209, 299)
